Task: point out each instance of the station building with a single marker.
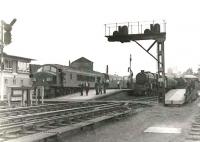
(82, 64)
(14, 73)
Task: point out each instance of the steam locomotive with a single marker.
(147, 84)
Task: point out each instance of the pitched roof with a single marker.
(16, 57)
(82, 59)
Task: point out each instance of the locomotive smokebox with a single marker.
(115, 33)
(147, 31)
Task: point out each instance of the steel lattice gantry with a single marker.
(158, 38)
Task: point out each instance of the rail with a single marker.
(42, 125)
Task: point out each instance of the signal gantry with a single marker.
(146, 30)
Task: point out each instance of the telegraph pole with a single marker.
(2, 46)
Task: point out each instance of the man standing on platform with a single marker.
(96, 88)
(104, 87)
(81, 88)
(100, 87)
(87, 87)
(118, 84)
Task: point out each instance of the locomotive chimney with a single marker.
(106, 69)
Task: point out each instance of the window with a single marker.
(53, 69)
(70, 76)
(85, 78)
(23, 66)
(8, 65)
(40, 69)
(46, 68)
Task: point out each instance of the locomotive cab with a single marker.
(50, 77)
(45, 76)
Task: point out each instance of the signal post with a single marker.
(5, 40)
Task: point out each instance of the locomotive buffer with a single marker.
(136, 31)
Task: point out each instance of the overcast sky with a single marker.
(56, 31)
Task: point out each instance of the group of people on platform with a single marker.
(85, 86)
(100, 87)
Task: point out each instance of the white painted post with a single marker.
(25, 98)
(22, 100)
(31, 97)
(36, 96)
(42, 94)
(9, 96)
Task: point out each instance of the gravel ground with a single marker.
(122, 96)
(131, 129)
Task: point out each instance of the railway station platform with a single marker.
(91, 95)
(175, 97)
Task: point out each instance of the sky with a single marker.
(56, 31)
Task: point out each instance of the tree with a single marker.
(189, 71)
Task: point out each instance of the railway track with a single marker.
(146, 99)
(42, 108)
(38, 122)
(194, 133)
(134, 98)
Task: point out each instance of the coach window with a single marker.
(53, 69)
